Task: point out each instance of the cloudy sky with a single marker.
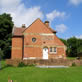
(65, 16)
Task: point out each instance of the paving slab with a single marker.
(53, 66)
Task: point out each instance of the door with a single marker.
(45, 53)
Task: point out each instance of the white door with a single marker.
(45, 53)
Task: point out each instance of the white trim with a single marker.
(46, 34)
(29, 58)
(43, 34)
(53, 52)
(25, 58)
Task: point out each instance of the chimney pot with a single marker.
(23, 26)
(46, 23)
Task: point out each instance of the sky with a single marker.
(65, 16)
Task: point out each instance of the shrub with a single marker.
(9, 65)
(73, 64)
(32, 65)
(21, 64)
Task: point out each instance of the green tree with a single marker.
(6, 26)
(79, 49)
(72, 47)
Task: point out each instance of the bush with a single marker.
(21, 64)
(1, 54)
(32, 65)
(73, 64)
(9, 65)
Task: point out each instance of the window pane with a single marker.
(54, 49)
(33, 39)
(50, 49)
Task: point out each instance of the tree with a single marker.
(1, 54)
(79, 49)
(6, 26)
(72, 47)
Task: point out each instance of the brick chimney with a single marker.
(23, 26)
(46, 23)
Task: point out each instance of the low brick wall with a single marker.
(65, 62)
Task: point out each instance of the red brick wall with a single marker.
(35, 49)
(35, 52)
(16, 48)
(60, 53)
(37, 27)
(32, 49)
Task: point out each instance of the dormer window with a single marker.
(33, 39)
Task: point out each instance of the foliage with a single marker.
(1, 54)
(6, 26)
(74, 46)
(73, 64)
(21, 64)
(32, 65)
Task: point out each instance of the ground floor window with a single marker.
(53, 49)
(50, 49)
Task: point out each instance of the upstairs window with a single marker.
(33, 39)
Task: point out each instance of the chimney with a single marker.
(46, 23)
(23, 26)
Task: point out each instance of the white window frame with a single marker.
(53, 52)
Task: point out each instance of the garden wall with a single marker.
(65, 62)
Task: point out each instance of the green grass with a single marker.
(72, 58)
(33, 74)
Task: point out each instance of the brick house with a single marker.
(38, 41)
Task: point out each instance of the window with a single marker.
(33, 39)
(53, 49)
(50, 49)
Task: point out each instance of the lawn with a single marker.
(72, 58)
(33, 74)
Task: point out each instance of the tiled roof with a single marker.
(18, 31)
(52, 30)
